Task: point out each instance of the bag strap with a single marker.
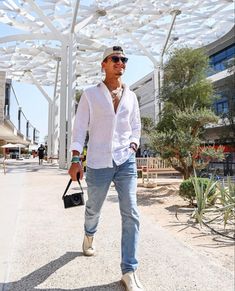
(69, 183)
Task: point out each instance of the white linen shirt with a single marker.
(110, 133)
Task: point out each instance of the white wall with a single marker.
(2, 95)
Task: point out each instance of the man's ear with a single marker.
(102, 67)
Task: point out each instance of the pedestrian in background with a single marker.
(41, 153)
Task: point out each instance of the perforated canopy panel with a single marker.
(42, 28)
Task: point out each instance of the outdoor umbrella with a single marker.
(9, 145)
(16, 146)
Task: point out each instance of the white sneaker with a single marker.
(131, 282)
(87, 246)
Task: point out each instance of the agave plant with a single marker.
(227, 200)
(202, 196)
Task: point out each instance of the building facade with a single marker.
(14, 126)
(222, 64)
(222, 74)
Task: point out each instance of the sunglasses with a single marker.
(116, 59)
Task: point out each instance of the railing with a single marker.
(141, 162)
(151, 167)
(150, 162)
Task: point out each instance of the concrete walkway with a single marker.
(40, 247)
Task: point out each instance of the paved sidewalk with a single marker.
(40, 247)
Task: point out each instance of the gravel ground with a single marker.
(43, 248)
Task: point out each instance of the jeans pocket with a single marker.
(132, 158)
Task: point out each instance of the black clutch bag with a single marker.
(75, 199)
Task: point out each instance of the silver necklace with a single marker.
(117, 93)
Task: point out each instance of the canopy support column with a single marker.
(63, 108)
(71, 88)
(71, 78)
(55, 137)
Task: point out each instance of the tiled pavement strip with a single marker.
(40, 247)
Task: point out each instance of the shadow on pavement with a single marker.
(180, 208)
(27, 166)
(31, 281)
(148, 199)
(112, 198)
(142, 199)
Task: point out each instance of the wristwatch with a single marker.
(133, 146)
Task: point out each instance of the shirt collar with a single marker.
(107, 94)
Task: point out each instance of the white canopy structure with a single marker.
(60, 42)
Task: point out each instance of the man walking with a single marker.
(41, 152)
(110, 112)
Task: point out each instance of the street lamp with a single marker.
(158, 73)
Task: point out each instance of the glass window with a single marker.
(222, 107)
(221, 60)
(211, 60)
(219, 107)
(231, 51)
(225, 109)
(218, 67)
(220, 56)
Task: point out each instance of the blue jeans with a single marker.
(125, 181)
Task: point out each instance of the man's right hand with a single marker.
(74, 169)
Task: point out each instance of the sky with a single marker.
(34, 104)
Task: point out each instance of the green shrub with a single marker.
(187, 190)
(139, 174)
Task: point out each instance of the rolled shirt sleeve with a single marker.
(136, 123)
(80, 125)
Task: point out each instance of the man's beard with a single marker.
(119, 73)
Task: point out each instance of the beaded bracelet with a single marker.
(75, 160)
